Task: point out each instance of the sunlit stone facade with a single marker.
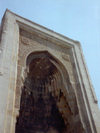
(44, 82)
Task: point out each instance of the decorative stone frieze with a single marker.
(45, 86)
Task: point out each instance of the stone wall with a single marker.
(19, 38)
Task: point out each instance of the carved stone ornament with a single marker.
(66, 57)
(45, 86)
(25, 40)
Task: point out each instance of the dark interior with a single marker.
(41, 100)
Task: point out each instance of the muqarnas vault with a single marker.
(44, 83)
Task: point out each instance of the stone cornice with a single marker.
(43, 31)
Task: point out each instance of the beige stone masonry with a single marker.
(19, 38)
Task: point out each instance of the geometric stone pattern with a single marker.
(45, 85)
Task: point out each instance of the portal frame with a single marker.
(11, 25)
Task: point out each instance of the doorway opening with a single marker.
(43, 106)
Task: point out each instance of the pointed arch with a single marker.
(48, 99)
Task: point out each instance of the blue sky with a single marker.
(76, 19)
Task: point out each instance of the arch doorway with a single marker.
(43, 106)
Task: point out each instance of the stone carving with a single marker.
(43, 106)
(66, 57)
(26, 35)
(25, 40)
(62, 107)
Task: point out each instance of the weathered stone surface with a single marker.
(44, 83)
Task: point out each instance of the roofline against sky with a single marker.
(43, 27)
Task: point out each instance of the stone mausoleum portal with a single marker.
(42, 104)
(44, 82)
